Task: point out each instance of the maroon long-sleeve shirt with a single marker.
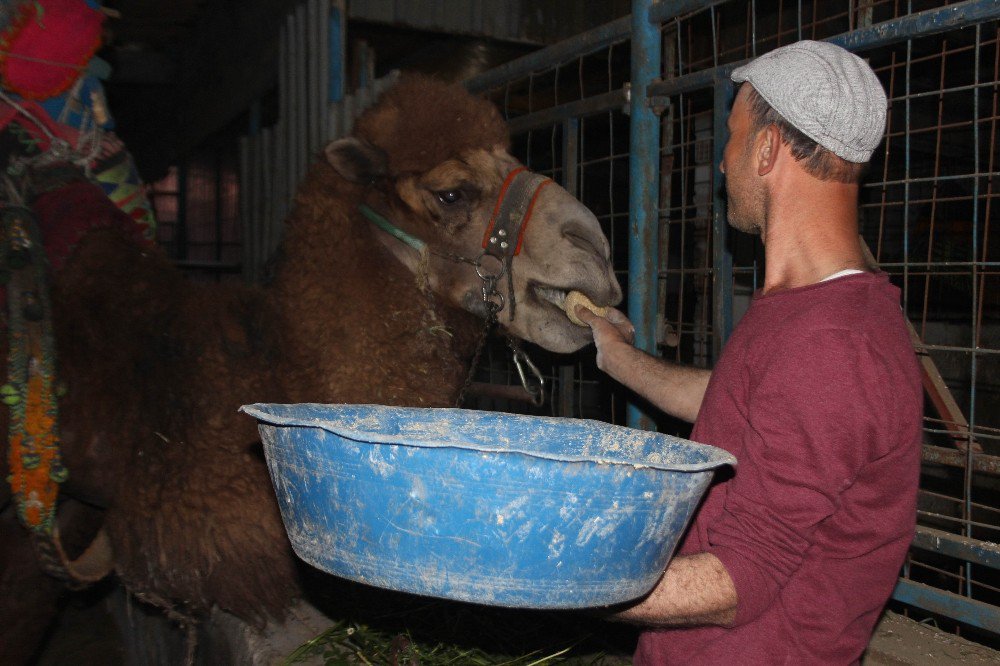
(818, 395)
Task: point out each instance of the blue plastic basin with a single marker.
(485, 507)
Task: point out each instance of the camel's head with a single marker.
(438, 163)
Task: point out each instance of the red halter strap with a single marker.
(512, 212)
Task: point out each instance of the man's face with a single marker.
(745, 195)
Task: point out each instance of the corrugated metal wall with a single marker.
(531, 21)
(500, 20)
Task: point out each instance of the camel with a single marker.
(155, 367)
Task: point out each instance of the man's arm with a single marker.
(675, 389)
(695, 590)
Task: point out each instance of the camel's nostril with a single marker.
(616, 296)
(584, 239)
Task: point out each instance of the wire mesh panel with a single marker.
(926, 216)
(926, 208)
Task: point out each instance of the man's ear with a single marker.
(356, 160)
(768, 142)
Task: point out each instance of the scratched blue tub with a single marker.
(485, 507)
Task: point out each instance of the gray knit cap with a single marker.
(826, 92)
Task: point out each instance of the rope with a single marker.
(42, 61)
(87, 148)
(27, 114)
(388, 227)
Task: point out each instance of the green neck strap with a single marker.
(388, 227)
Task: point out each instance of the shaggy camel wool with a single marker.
(421, 122)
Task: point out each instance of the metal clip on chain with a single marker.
(535, 390)
(492, 298)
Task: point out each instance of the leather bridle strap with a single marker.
(505, 233)
(512, 212)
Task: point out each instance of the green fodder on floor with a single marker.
(442, 634)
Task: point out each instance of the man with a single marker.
(817, 393)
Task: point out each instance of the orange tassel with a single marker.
(31, 466)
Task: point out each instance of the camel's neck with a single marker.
(356, 327)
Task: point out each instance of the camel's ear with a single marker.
(356, 160)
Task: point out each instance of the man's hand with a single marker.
(676, 389)
(614, 330)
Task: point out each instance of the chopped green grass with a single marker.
(483, 642)
(349, 644)
(377, 627)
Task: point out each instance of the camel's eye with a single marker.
(450, 197)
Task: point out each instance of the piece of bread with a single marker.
(575, 298)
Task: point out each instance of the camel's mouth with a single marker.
(544, 320)
(556, 297)
(553, 296)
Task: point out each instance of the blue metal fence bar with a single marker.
(973, 358)
(661, 91)
(947, 90)
(981, 462)
(722, 256)
(922, 24)
(956, 545)
(661, 12)
(949, 604)
(335, 52)
(570, 181)
(907, 171)
(551, 56)
(928, 22)
(924, 347)
(644, 179)
(946, 264)
(958, 521)
(612, 100)
(936, 179)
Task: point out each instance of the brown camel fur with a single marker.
(156, 367)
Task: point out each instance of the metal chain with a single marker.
(494, 302)
(454, 257)
(487, 326)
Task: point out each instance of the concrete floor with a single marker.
(88, 635)
(899, 640)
